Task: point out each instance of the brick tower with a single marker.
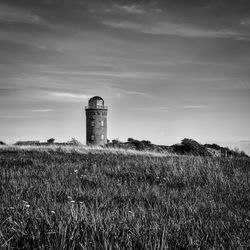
(96, 121)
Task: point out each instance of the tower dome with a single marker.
(96, 102)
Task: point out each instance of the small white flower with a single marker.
(72, 202)
(131, 214)
(27, 205)
(53, 212)
(76, 170)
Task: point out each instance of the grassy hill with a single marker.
(90, 198)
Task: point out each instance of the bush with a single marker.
(130, 139)
(213, 146)
(51, 140)
(74, 142)
(189, 146)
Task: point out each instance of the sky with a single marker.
(166, 69)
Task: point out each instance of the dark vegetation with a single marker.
(189, 146)
(51, 141)
(230, 153)
(186, 147)
(111, 200)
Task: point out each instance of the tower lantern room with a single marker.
(96, 121)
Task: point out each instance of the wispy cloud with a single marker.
(70, 95)
(195, 107)
(10, 117)
(167, 28)
(110, 74)
(131, 92)
(121, 92)
(153, 109)
(177, 29)
(126, 25)
(13, 14)
(245, 23)
(39, 110)
(133, 9)
(205, 79)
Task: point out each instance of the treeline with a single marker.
(186, 147)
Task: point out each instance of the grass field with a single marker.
(87, 198)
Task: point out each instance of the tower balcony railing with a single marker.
(96, 107)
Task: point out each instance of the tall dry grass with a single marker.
(94, 198)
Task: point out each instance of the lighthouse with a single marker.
(96, 121)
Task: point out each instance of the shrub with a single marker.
(74, 142)
(189, 146)
(51, 140)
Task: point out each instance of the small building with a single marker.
(96, 121)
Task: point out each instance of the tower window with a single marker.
(99, 103)
(102, 137)
(92, 123)
(92, 137)
(102, 123)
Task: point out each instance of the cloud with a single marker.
(5, 91)
(126, 25)
(109, 74)
(245, 23)
(152, 109)
(177, 29)
(13, 14)
(195, 107)
(39, 110)
(120, 92)
(131, 9)
(131, 92)
(8, 117)
(70, 95)
(186, 30)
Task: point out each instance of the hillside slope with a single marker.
(56, 198)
